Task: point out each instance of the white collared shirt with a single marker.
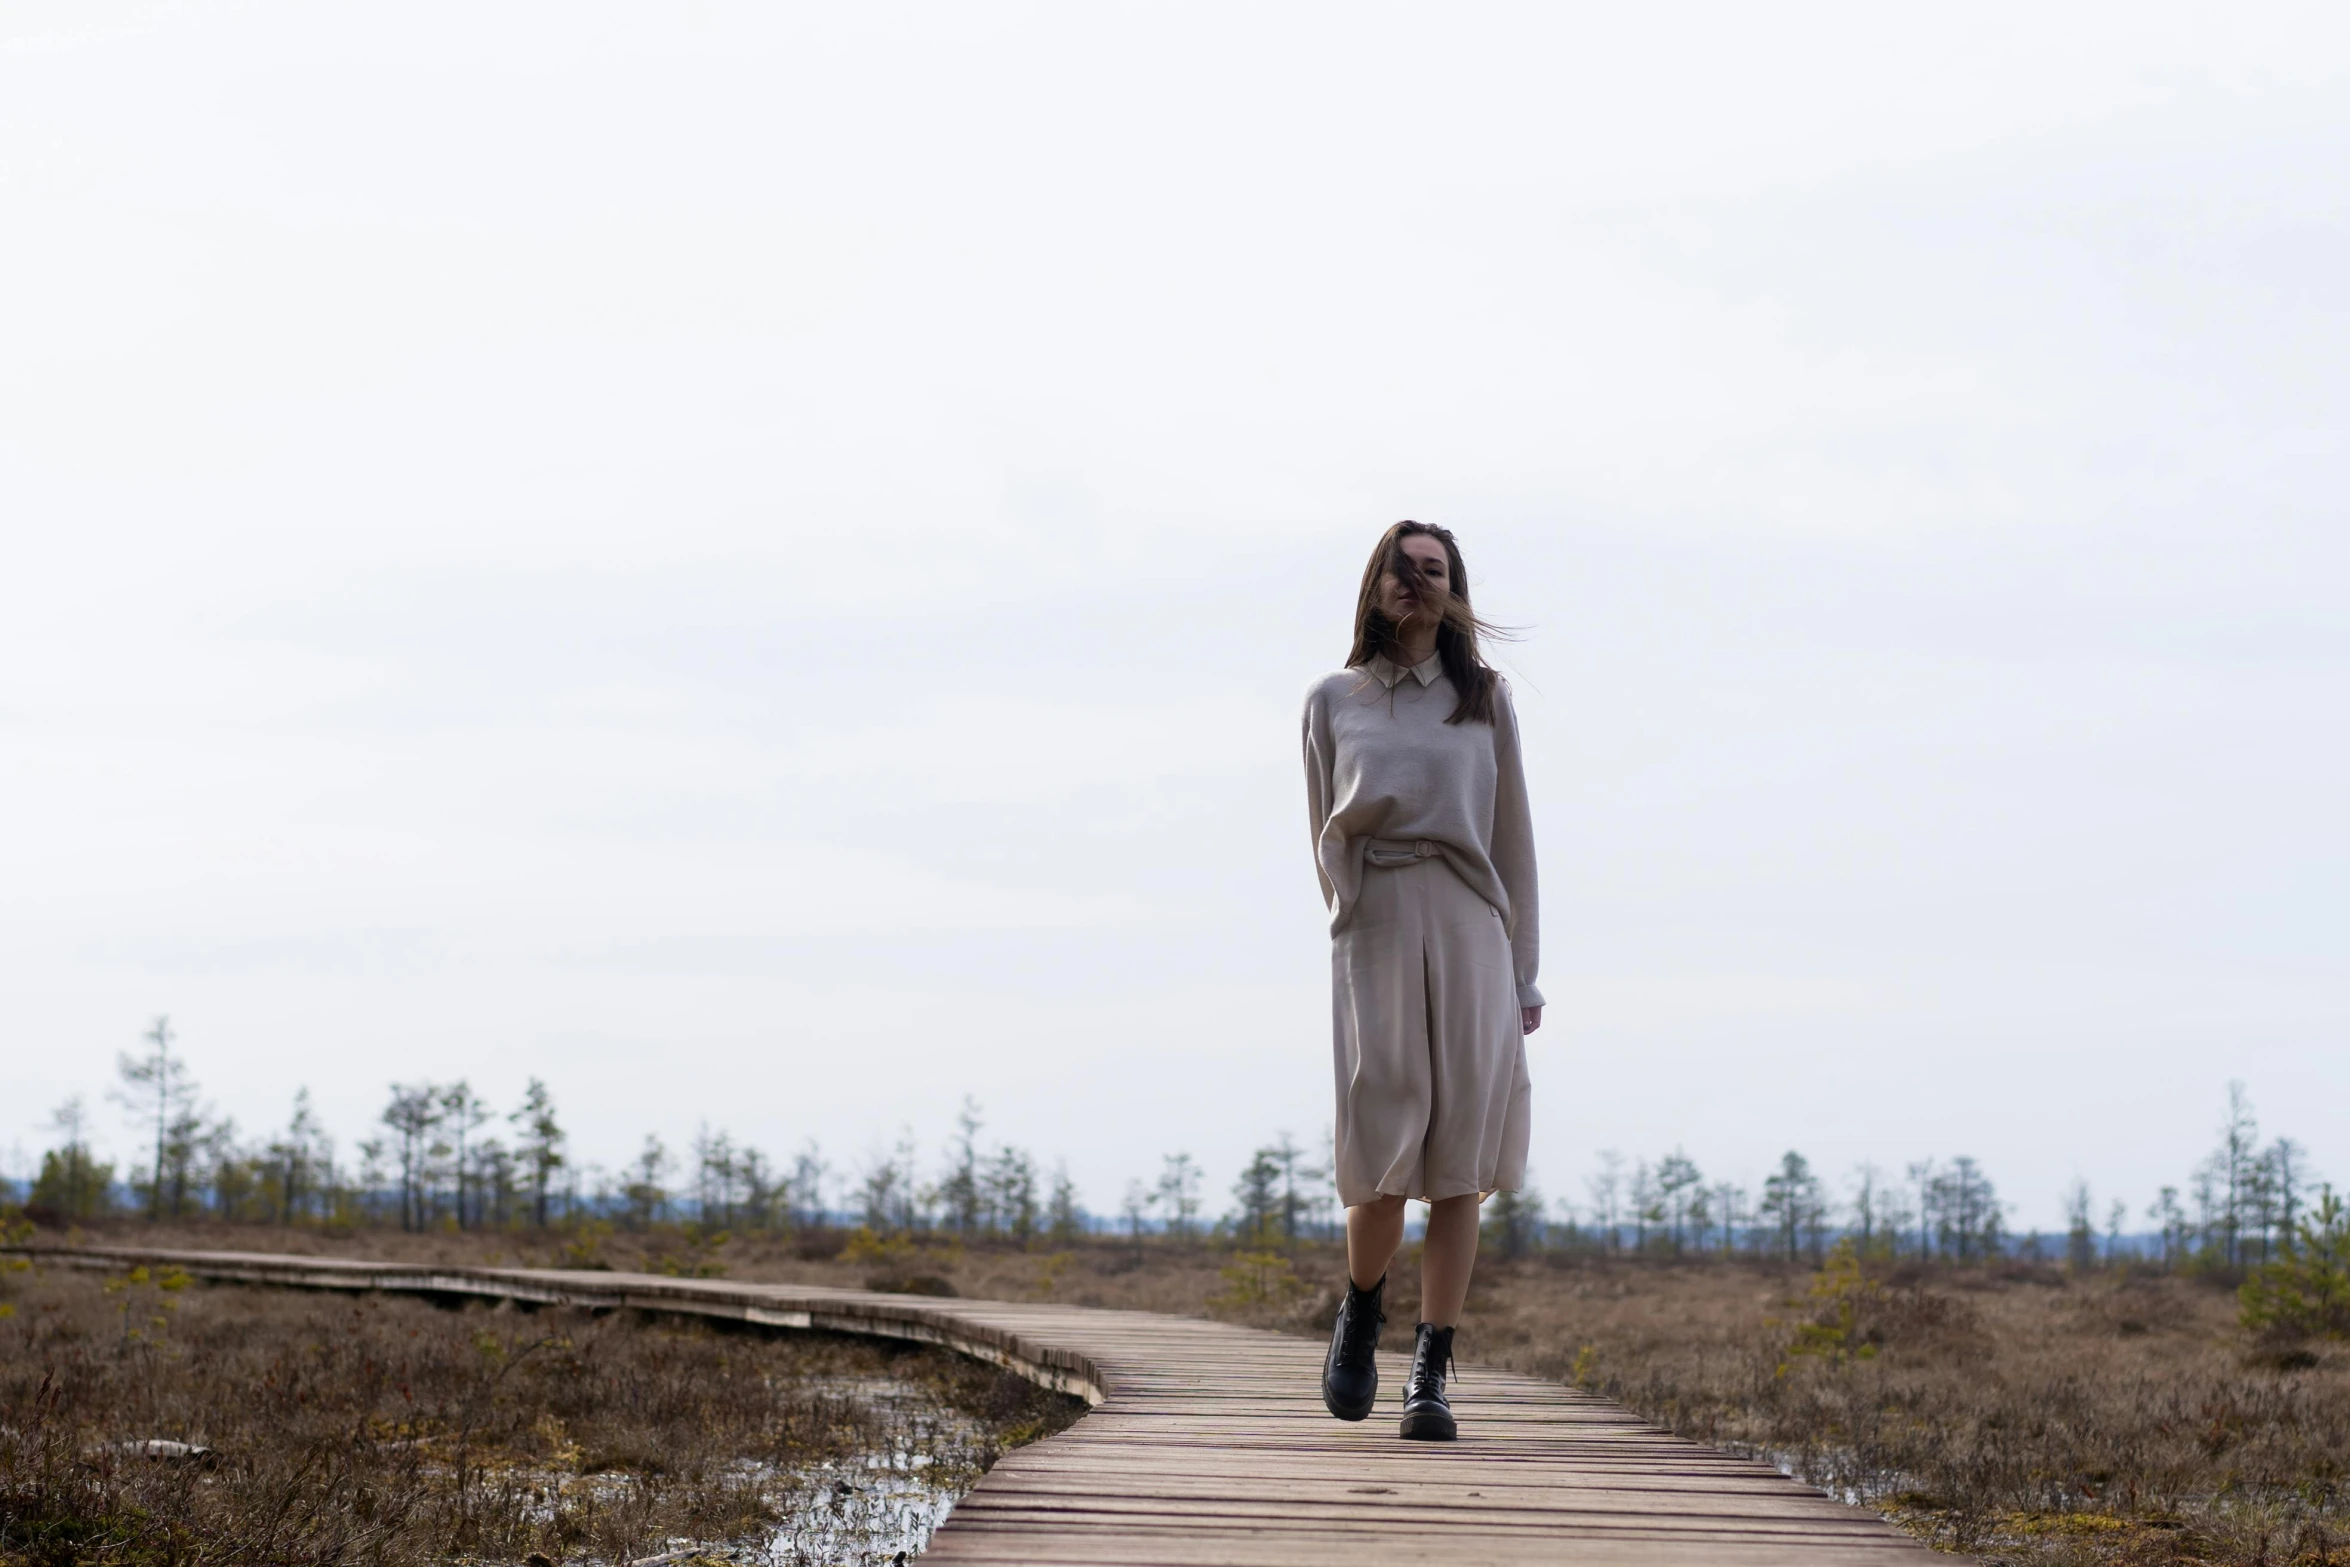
(1427, 671)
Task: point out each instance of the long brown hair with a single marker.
(1457, 626)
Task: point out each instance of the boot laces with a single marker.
(1427, 1374)
(1364, 1319)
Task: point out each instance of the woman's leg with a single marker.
(1446, 1260)
(1350, 1372)
(1374, 1230)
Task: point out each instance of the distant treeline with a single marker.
(2241, 1205)
(442, 1157)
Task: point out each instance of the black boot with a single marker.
(1350, 1376)
(1426, 1415)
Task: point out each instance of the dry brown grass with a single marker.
(377, 1429)
(2016, 1414)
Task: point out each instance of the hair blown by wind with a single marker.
(1458, 628)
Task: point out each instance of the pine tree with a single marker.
(1791, 1200)
(463, 1111)
(960, 1191)
(1512, 1222)
(1256, 1198)
(1011, 1193)
(73, 1184)
(539, 1144)
(2080, 1231)
(156, 1086)
(297, 1159)
(1064, 1217)
(2307, 1291)
(1680, 1190)
(647, 1196)
(413, 1115)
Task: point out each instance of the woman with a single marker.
(1426, 855)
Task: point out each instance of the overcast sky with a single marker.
(759, 563)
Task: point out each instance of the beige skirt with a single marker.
(1433, 1099)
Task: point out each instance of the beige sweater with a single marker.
(1381, 762)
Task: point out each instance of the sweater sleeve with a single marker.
(1318, 786)
(1513, 849)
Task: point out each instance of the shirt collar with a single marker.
(1387, 672)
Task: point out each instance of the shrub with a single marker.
(1840, 1294)
(2305, 1293)
(1257, 1279)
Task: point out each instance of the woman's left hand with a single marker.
(1530, 1018)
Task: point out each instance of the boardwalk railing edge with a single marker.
(949, 1323)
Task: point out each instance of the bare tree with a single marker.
(1605, 1189)
(1178, 1194)
(1137, 1204)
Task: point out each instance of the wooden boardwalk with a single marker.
(1208, 1444)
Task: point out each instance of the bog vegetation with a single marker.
(145, 1420)
(2163, 1384)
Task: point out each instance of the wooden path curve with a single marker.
(1208, 1444)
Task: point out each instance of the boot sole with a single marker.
(1430, 1425)
(1350, 1411)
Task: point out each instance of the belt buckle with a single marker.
(1423, 848)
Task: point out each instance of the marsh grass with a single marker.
(385, 1429)
(2018, 1413)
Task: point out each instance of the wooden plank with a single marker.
(1208, 1445)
